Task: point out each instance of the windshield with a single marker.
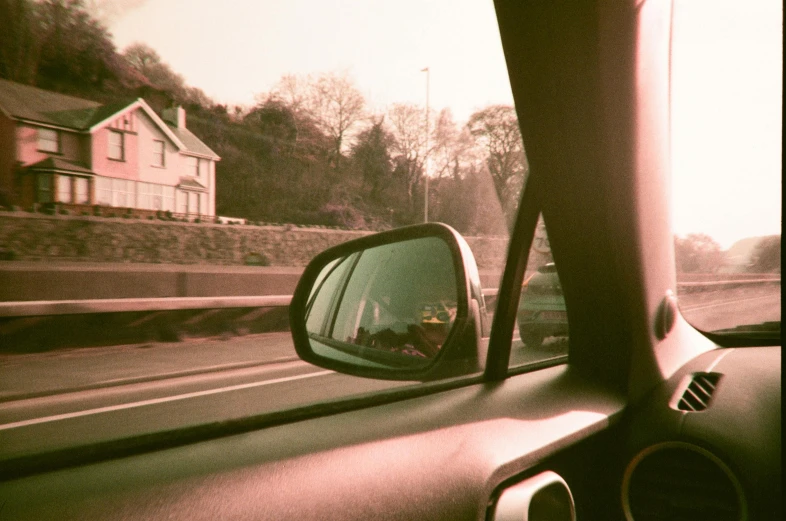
(727, 64)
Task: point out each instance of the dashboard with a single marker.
(709, 441)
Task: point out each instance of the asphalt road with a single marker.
(69, 398)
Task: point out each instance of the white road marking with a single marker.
(154, 401)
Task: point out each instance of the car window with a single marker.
(726, 123)
(541, 331)
(208, 150)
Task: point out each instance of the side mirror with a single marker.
(399, 305)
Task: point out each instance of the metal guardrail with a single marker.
(125, 305)
(34, 326)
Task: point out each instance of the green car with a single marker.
(542, 307)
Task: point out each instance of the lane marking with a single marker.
(726, 303)
(111, 408)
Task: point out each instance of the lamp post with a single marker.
(426, 158)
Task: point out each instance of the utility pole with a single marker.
(426, 158)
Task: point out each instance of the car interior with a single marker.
(645, 418)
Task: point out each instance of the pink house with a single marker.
(61, 149)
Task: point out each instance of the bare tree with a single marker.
(496, 129)
(407, 122)
(336, 105)
(454, 151)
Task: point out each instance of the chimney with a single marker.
(176, 116)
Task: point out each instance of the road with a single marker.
(70, 398)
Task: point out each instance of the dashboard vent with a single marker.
(679, 481)
(698, 394)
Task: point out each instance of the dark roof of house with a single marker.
(43, 106)
(56, 164)
(192, 143)
(188, 182)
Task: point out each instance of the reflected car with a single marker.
(542, 311)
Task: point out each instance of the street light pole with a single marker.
(426, 158)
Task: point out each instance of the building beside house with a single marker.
(78, 153)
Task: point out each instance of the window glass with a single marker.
(192, 166)
(168, 198)
(727, 64)
(123, 193)
(64, 189)
(159, 150)
(44, 186)
(48, 140)
(103, 191)
(82, 190)
(541, 331)
(116, 145)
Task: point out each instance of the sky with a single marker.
(726, 77)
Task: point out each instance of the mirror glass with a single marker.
(389, 306)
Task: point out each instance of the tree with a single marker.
(77, 51)
(697, 253)
(336, 105)
(407, 122)
(147, 61)
(277, 122)
(496, 129)
(371, 154)
(20, 42)
(766, 256)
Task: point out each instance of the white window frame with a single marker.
(116, 151)
(81, 190)
(65, 189)
(159, 156)
(192, 166)
(48, 140)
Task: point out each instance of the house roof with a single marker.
(192, 143)
(56, 164)
(188, 182)
(32, 104)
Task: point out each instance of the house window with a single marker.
(123, 193)
(168, 198)
(182, 202)
(64, 189)
(192, 166)
(116, 146)
(82, 190)
(144, 193)
(44, 182)
(158, 153)
(48, 140)
(193, 203)
(103, 191)
(202, 172)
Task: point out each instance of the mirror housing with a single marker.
(404, 304)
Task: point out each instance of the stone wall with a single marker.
(37, 237)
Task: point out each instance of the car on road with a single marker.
(542, 312)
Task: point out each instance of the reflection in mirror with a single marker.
(392, 305)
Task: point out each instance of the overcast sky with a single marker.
(726, 67)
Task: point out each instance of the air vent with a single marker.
(678, 481)
(698, 394)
